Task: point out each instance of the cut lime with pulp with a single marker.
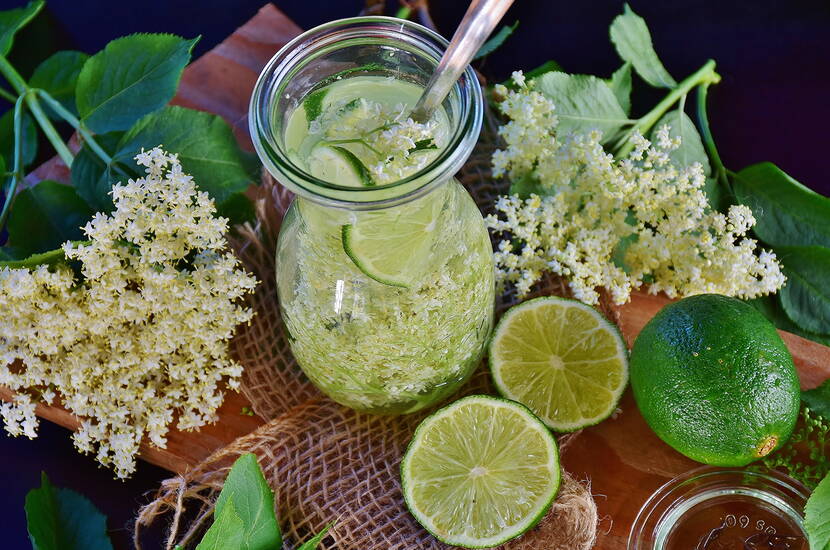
(395, 247)
(339, 166)
(480, 472)
(562, 359)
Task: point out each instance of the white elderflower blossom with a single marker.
(143, 336)
(615, 223)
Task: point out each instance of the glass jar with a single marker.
(711, 509)
(374, 340)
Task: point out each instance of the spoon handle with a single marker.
(481, 18)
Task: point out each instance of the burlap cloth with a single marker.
(325, 462)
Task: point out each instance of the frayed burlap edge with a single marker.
(328, 463)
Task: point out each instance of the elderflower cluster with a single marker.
(390, 143)
(615, 223)
(142, 338)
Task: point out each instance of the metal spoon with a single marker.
(481, 18)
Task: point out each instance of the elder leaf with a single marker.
(61, 519)
(131, 77)
(631, 37)
(246, 488)
(582, 102)
(620, 84)
(12, 21)
(58, 75)
(29, 142)
(817, 516)
(787, 212)
(227, 531)
(494, 42)
(46, 216)
(818, 400)
(315, 541)
(806, 296)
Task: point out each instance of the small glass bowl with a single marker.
(710, 509)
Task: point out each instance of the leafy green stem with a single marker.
(17, 174)
(32, 102)
(5, 94)
(353, 140)
(75, 123)
(705, 75)
(708, 140)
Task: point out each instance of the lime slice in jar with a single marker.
(480, 472)
(339, 166)
(562, 359)
(395, 247)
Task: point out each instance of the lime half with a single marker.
(562, 359)
(480, 472)
(395, 247)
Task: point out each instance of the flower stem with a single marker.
(32, 102)
(75, 123)
(5, 94)
(705, 75)
(17, 175)
(708, 140)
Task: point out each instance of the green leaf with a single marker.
(620, 84)
(58, 75)
(46, 216)
(93, 179)
(237, 208)
(817, 516)
(691, 150)
(61, 519)
(314, 542)
(494, 42)
(548, 66)
(423, 145)
(12, 21)
(204, 142)
(818, 400)
(788, 213)
(582, 102)
(771, 308)
(631, 37)
(227, 531)
(246, 486)
(806, 296)
(7, 139)
(131, 77)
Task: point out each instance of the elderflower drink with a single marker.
(385, 270)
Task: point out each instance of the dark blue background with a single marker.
(772, 105)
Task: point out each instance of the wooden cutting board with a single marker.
(622, 457)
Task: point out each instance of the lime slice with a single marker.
(562, 359)
(395, 247)
(480, 472)
(340, 166)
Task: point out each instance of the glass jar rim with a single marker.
(291, 57)
(662, 505)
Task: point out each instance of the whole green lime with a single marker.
(715, 381)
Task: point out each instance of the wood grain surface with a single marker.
(622, 457)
